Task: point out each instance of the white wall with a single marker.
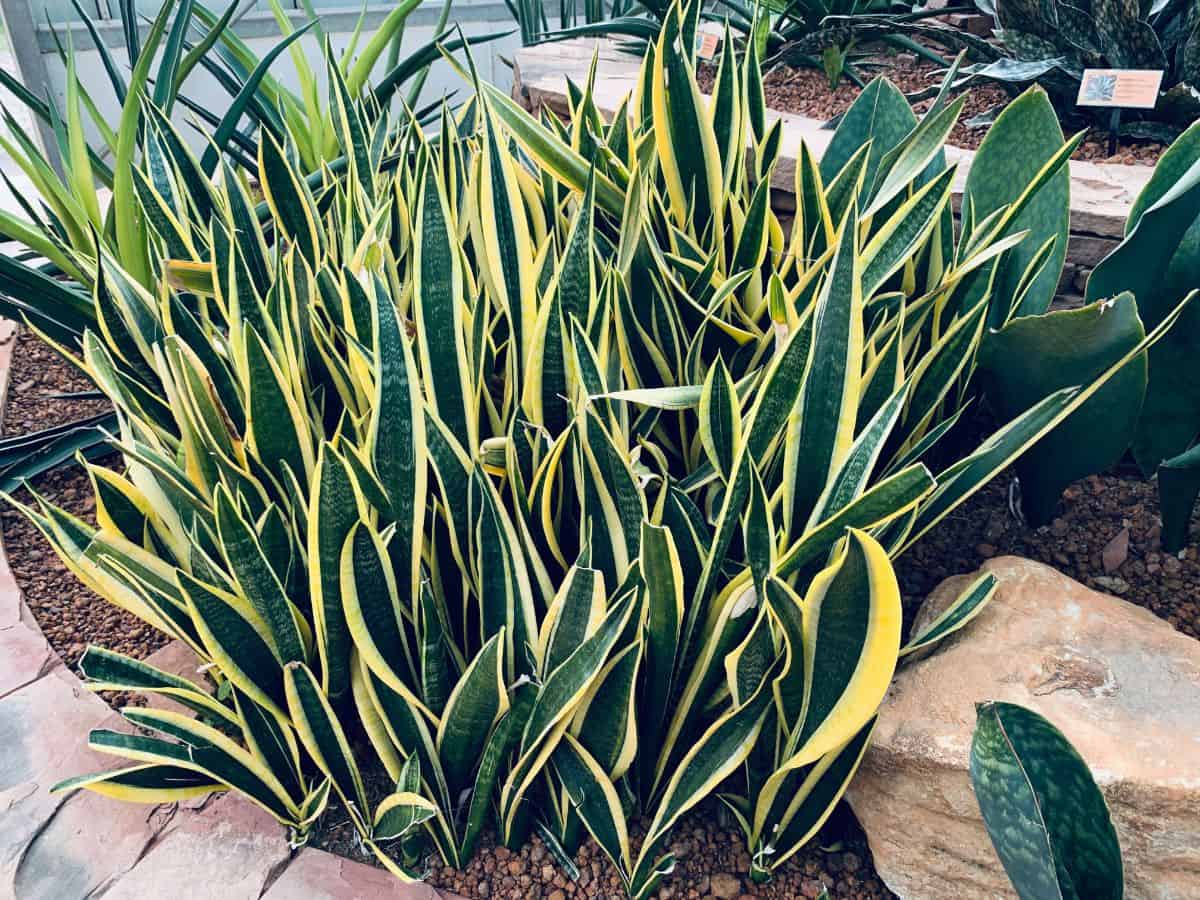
(474, 17)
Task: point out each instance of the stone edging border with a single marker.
(1101, 194)
(64, 847)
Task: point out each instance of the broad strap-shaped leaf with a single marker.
(1159, 263)
(818, 791)
(323, 737)
(962, 479)
(438, 310)
(237, 640)
(851, 620)
(397, 440)
(257, 579)
(717, 754)
(376, 621)
(966, 606)
(333, 512)
(999, 176)
(290, 199)
(146, 783)
(821, 429)
(595, 800)
(477, 702)
(1032, 356)
(1178, 487)
(105, 670)
(1044, 813)
(720, 419)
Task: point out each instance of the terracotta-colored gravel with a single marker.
(1106, 536)
(806, 92)
(69, 614)
(711, 862)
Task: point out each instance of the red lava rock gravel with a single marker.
(711, 862)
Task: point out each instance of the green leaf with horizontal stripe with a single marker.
(1044, 813)
(323, 737)
(256, 578)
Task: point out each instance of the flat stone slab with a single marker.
(1120, 683)
(43, 735)
(1101, 194)
(316, 875)
(229, 849)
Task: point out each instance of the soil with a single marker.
(806, 92)
(70, 615)
(1106, 535)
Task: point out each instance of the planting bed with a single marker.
(712, 857)
(70, 615)
(1106, 536)
(806, 92)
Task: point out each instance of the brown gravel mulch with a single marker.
(70, 615)
(806, 92)
(1106, 536)
(711, 861)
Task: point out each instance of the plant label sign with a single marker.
(708, 40)
(1120, 88)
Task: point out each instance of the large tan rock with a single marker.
(1121, 684)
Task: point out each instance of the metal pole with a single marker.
(31, 67)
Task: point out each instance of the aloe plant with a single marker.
(544, 457)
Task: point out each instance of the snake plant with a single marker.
(96, 200)
(543, 456)
(1044, 813)
(1159, 262)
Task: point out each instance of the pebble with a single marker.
(725, 886)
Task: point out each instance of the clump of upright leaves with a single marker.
(68, 227)
(1044, 813)
(543, 457)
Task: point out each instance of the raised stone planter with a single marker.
(68, 847)
(1101, 195)
(1121, 684)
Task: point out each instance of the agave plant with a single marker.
(1053, 42)
(545, 458)
(71, 215)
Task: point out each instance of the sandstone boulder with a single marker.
(1120, 683)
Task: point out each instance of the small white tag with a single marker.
(1120, 88)
(708, 40)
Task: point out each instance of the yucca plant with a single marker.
(537, 466)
